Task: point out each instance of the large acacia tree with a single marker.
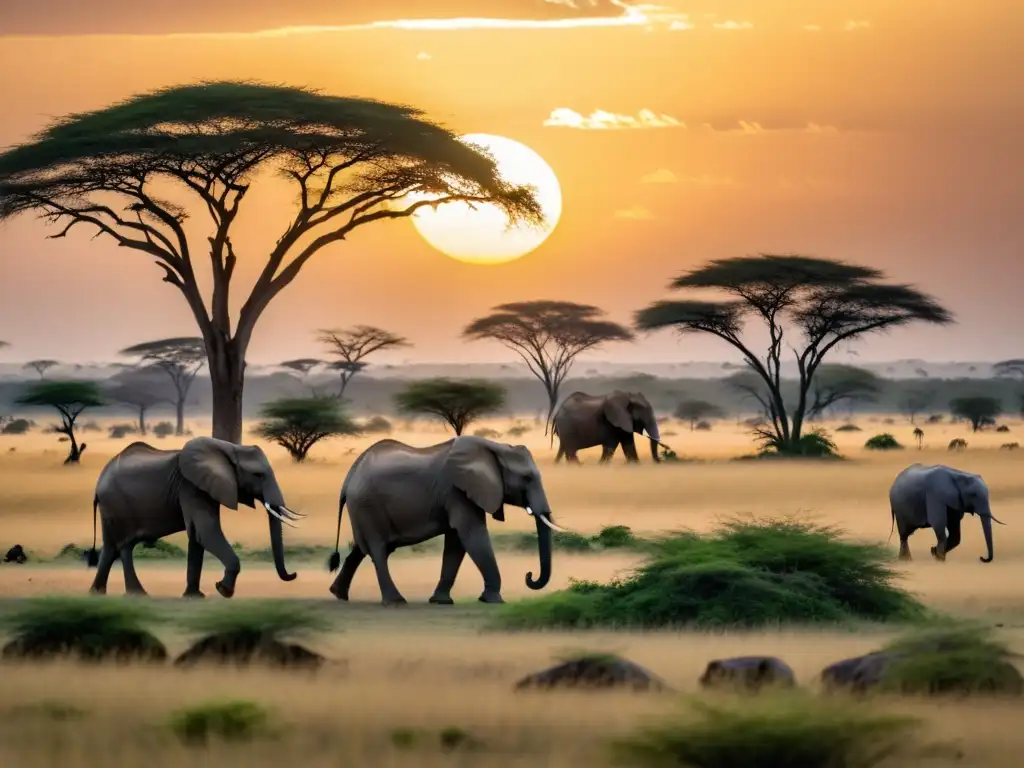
(349, 162)
(808, 306)
(548, 336)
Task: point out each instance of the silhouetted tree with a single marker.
(302, 366)
(823, 301)
(41, 366)
(835, 384)
(548, 336)
(1013, 369)
(181, 359)
(697, 410)
(352, 345)
(299, 423)
(915, 401)
(458, 403)
(137, 392)
(980, 410)
(349, 162)
(70, 397)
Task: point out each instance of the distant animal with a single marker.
(937, 497)
(16, 554)
(1009, 446)
(751, 673)
(398, 496)
(145, 493)
(858, 674)
(584, 421)
(957, 444)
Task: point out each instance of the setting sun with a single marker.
(481, 235)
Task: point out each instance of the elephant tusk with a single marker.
(529, 511)
(550, 525)
(293, 513)
(279, 517)
(290, 514)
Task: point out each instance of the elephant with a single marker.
(398, 495)
(145, 493)
(749, 672)
(584, 421)
(937, 497)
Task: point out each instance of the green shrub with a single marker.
(257, 619)
(230, 721)
(815, 444)
(883, 442)
(744, 574)
(163, 429)
(615, 536)
(161, 550)
(770, 732)
(961, 660)
(44, 627)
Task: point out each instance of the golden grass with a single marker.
(426, 666)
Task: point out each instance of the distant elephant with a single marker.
(957, 444)
(145, 493)
(398, 496)
(584, 421)
(748, 672)
(937, 497)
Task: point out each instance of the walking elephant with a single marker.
(584, 421)
(937, 497)
(144, 494)
(398, 496)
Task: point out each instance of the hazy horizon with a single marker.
(875, 132)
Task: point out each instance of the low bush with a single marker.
(229, 721)
(746, 574)
(160, 550)
(883, 442)
(16, 427)
(815, 444)
(163, 429)
(257, 619)
(781, 731)
(848, 428)
(83, 627)
(376, 425)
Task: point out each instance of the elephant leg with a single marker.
(132, 585)
(211, 537)
(477, 543)
(904, 534)
(389, 593)
(194, 569)
(451, 560)
(107, 557)
(607, 451)
(343, 581)
(560, 454)
(939, 550)
(954, 535)
(629, 448)
(570, 456)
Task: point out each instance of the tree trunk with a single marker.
(227, 380)
(142, 420)
(179, 427)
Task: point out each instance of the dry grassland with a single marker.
(428, 666)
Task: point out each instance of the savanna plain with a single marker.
(433, 669)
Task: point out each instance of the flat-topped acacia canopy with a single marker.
(352, 161)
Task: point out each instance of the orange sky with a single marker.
(884, 132)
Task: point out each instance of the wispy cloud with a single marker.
(732, 25)
(600, 120)
(812, 27)
(853, 26)
(660, 176)
(423, 56)
(634, 213)
(817, 128)
(681, 25)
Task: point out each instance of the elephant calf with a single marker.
(584, 421)
(398, 496)
(748, 672)
(144, 494)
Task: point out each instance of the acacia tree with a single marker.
(70, 398)
(548, 336)
(916, 400)
(697, 410)
(980, 410)
(181, 359)
(299, 423)
(1013, 369)
(458, 403)
(352, 345)
(349, 161)
(302, 366)
(132, 389)
(820, 301)
(41, 366)
(835, 384)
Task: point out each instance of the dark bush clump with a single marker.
(163, 429)
(16, 427)
(376, 425)
(746, 574)
(883, 442)
(848, 428)
(230, 721)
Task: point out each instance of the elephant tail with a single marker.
(334, 562)
(92, 556)
(893, 509)
(554, 431)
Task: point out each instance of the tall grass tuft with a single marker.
(782, 731)
(745, 574)
(257, 619)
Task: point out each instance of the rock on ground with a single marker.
(594, 672)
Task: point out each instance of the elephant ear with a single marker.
(616, 413)
(204, 464)
(473, 468)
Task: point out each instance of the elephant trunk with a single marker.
(986, 529)
(277, 547)
(655, 439)
(544, 550)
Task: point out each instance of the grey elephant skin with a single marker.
(751, 673)
(398, 495)
(584, 421)
(145, 493)
(937, 497)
